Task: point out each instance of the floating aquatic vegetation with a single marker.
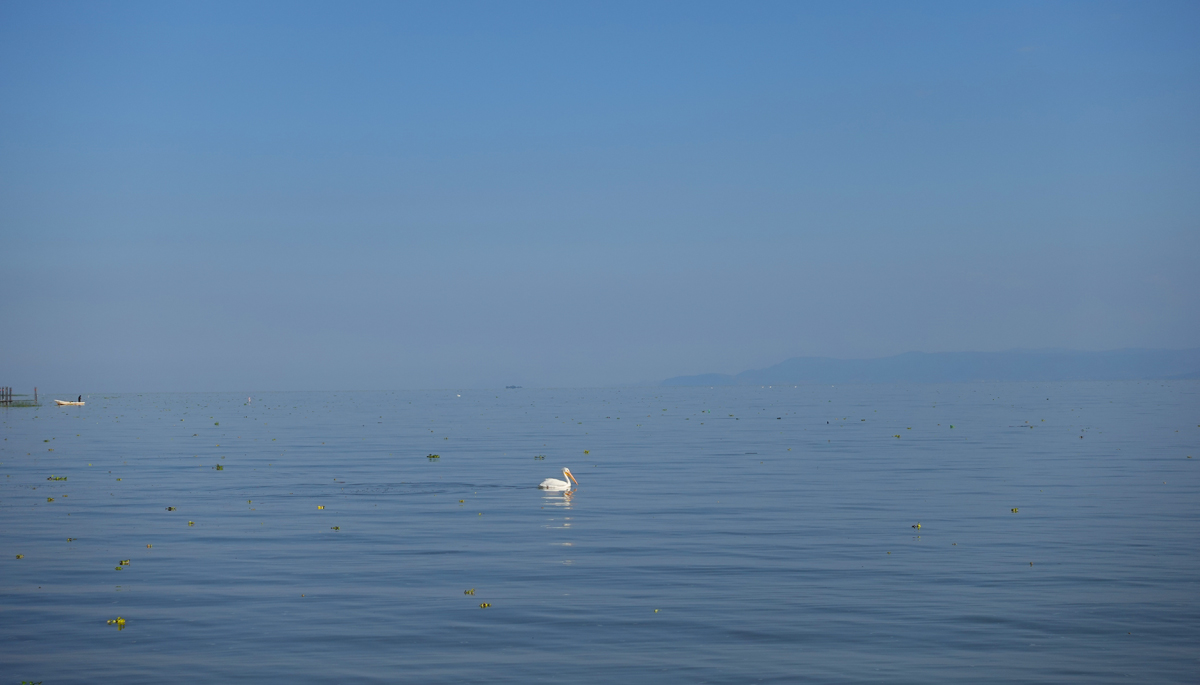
(1015, 510)
(57, 478)
(542, 456)
(431, 457)
(335, 528)
(485, 605)
(917, 526)
(118, 622)
(49, 499)
(20, 556)
(469, 592)
(149, 546)
(191, 523)
(320, 506)
(219, 467)
(170, 508)
(72, 539)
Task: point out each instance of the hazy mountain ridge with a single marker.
(963, 367)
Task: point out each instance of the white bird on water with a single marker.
(556, 484)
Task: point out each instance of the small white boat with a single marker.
(62, 402)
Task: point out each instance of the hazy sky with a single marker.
(257, 196)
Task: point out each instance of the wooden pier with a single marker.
(8, 399)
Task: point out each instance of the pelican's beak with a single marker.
(572, 477)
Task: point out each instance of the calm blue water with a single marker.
(769, 527)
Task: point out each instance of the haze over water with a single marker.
(723, 535)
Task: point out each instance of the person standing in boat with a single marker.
(80, 399)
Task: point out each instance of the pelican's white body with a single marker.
(556, 484)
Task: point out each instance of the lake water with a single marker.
(727, 535)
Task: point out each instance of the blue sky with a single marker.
(259, 196)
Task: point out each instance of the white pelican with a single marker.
(556, 484)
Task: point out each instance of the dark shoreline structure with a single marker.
(966, 367)
(7, 399)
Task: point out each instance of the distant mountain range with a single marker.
(965, 367)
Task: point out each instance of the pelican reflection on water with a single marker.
(558, 498)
